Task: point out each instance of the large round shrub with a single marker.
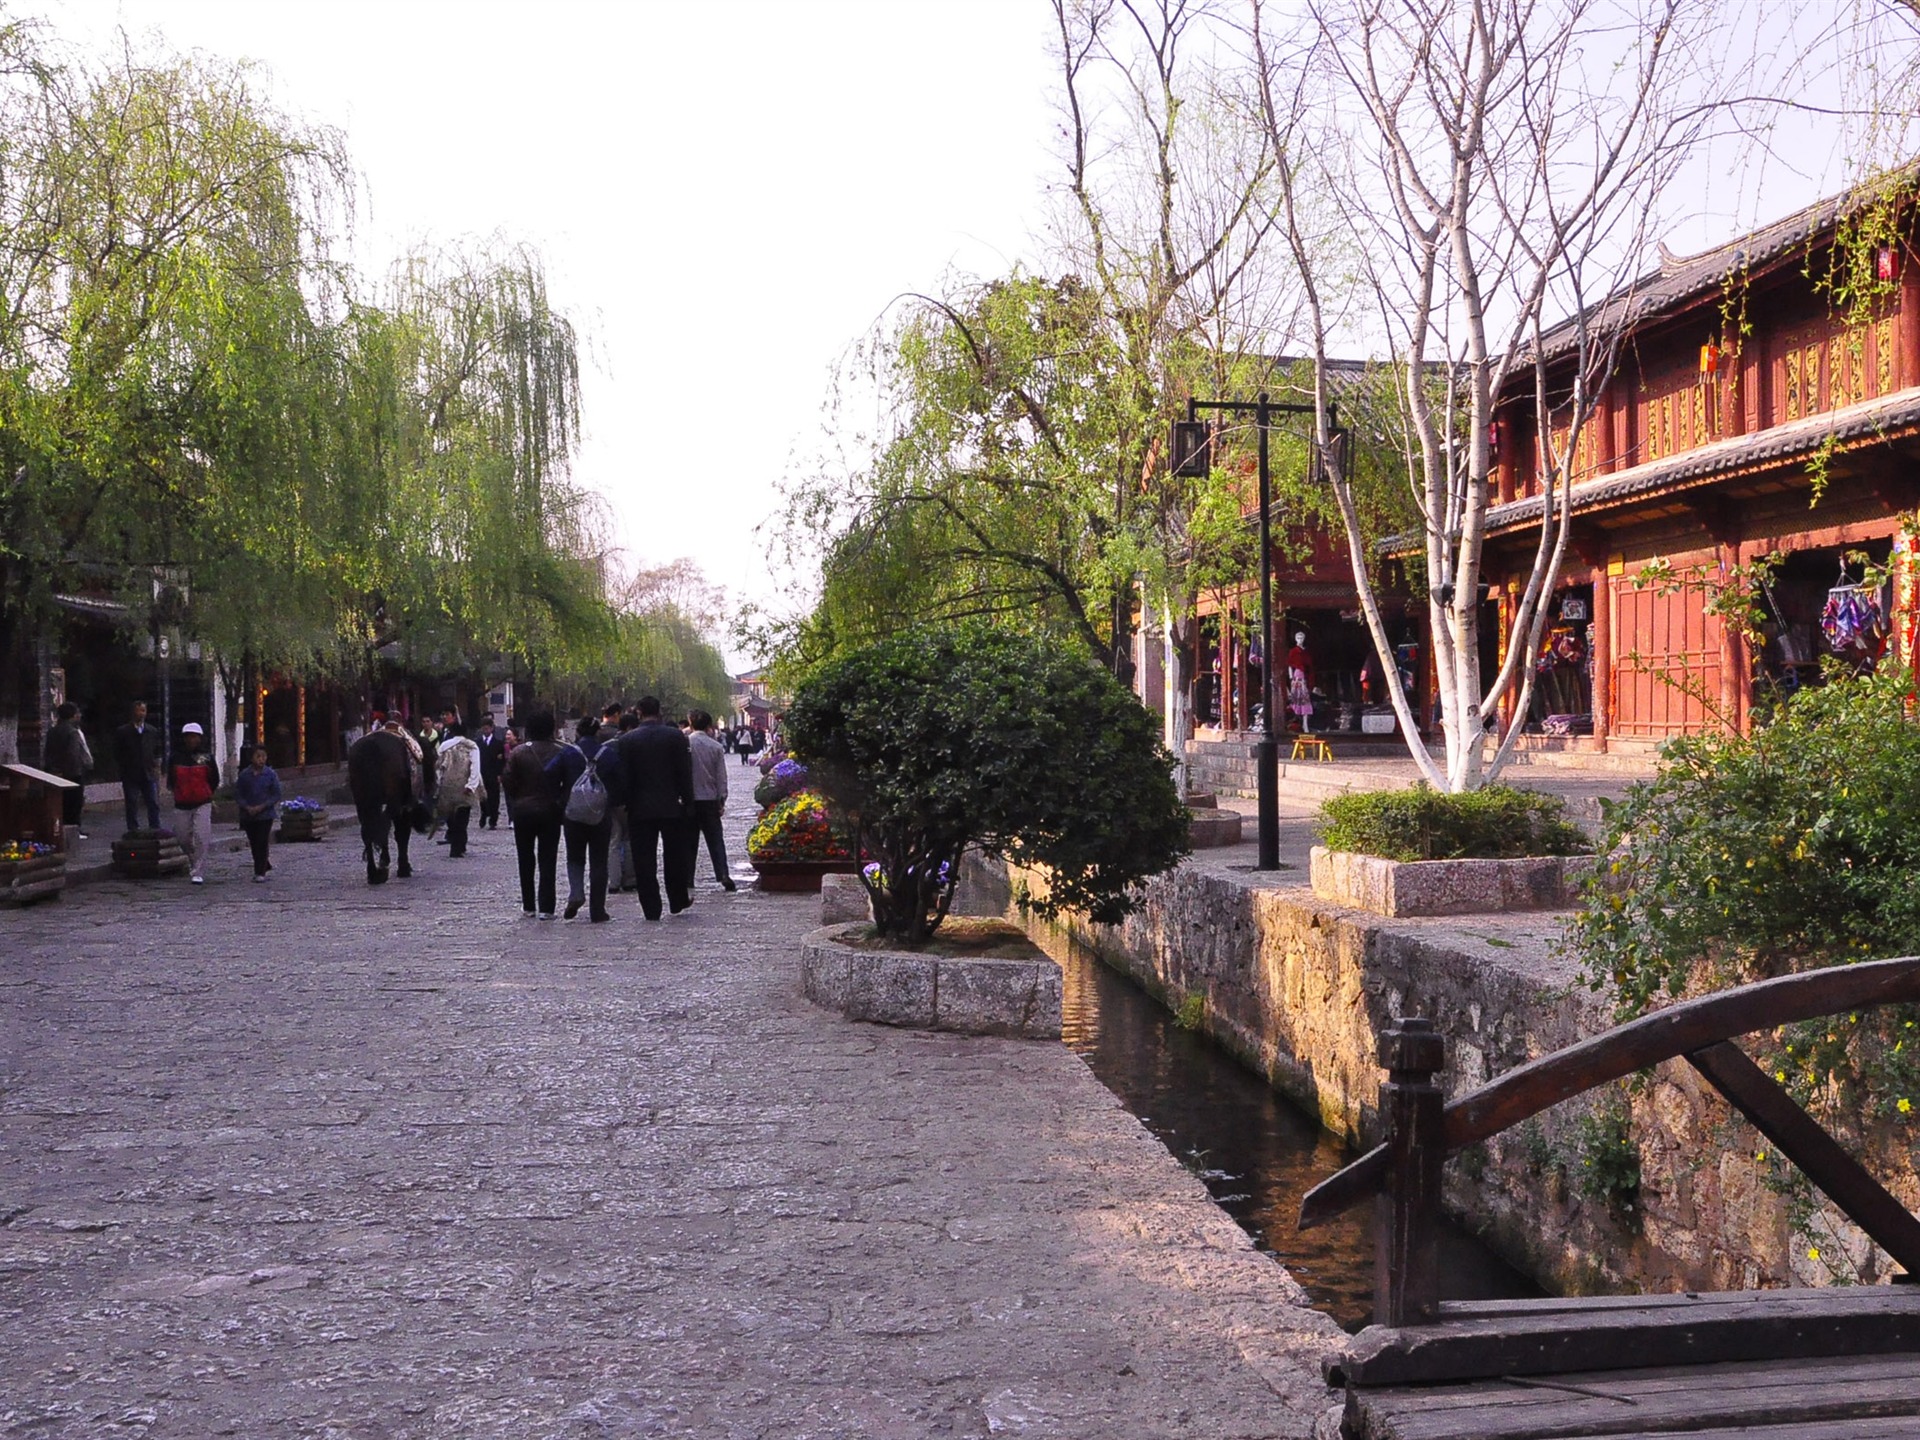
(936, 741)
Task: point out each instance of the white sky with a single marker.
(726, 195)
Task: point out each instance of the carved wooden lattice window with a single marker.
(1793, 385)
(1883, 357)
(1810, 370)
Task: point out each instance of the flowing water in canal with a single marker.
(1255, 1151)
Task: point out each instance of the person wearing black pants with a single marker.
(587, 841)
(256, 795)
(536, 814)
(65, 752)
(493, 759)
(709, 798)
(656, 768)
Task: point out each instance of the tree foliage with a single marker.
(207, 418)
(1789, 849)
(937, 741)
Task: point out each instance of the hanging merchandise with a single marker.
(1562, 646)
(1850, 617)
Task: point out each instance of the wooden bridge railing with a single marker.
(1421, 1130)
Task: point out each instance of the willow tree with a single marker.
(157, 218)
(484, 550)
(985, 495)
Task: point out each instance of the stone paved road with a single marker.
(311, 1159)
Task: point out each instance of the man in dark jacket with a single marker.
(493, 759)
(137, 748)
(656, 766)
(65, 753)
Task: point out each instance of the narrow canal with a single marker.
(1256, 1152)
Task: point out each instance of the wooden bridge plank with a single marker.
(1768, 1325)
(1769, 1398)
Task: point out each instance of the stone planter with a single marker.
(23, 881)
(1447, 887)
(302, 825)
(798, 877)
(842, 899)
(1209, 827)
(148, 854)
(968, 996)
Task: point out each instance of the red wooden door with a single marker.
(1666, 660)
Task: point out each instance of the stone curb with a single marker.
(1399, 888)
(1018, 998)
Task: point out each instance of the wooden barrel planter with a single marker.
(799, 877)
(148, 854)
(36, 878)
(302, 825)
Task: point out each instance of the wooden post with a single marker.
(300, 724)
(1406, 1285)
(1602, 655)
(1909, 322)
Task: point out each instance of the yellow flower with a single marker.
(1904, 1106)
(1781, 1076)
(1814, 1253)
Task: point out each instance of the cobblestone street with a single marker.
(310, 1158)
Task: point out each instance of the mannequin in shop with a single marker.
(1300, 681)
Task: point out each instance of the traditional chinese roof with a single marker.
(1682, 278)
(1854, 426)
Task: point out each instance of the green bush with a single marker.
(934, 741)
(1497, 823)
(1753, 856)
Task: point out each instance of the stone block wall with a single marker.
(1299, 990)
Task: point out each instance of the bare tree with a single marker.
(1168, 218)
(1468, 170)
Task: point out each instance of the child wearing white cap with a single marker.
(193, 779)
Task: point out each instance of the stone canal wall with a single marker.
(1299, 990)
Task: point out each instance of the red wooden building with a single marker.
(1748, 417)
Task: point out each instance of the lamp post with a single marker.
(1192, 456)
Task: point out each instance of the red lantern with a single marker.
(1886, 264)
(1709, 360)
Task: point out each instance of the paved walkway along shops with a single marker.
(312, 1159)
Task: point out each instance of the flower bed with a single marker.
(30, 870)
(301, 819)
(798, 838)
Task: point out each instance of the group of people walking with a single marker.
(190, 775)
(629, 787)
(630, 795)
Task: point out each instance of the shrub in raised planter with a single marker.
(1496, 823)
(934, 741)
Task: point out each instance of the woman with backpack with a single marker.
(585, 776)
(193, 778)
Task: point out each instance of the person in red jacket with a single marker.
(193, 779)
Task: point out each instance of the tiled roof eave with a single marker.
(1851, 428)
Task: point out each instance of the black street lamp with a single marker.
(1192, 456)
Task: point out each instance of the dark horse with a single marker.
(380, 772)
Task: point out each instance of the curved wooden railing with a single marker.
(1422, 1131)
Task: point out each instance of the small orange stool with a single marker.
(1311, 747)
